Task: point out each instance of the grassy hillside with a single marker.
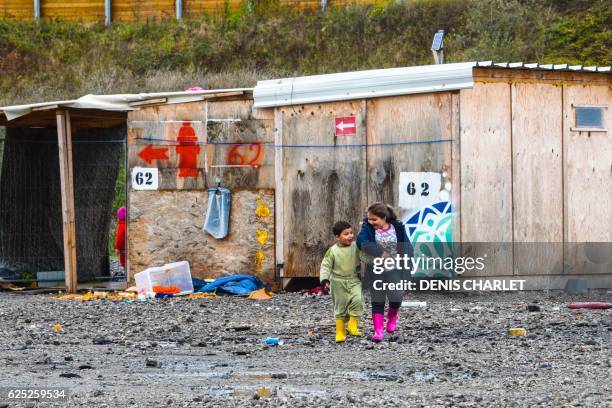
(54, 60)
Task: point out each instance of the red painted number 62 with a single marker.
(237, 158)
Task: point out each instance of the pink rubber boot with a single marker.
(392, 319)
(379, 327)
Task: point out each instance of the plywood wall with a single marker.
(322, 181)
(410, 167)
(409, 133)
(85, 10)
(587, 183)
(486, 175)
(17, 9)
(530, 183)
(165, 225)
(537, 187)
(137, 10)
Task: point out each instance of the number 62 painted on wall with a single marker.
(145, 178)
(410, 189)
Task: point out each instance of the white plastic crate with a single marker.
(173, 274)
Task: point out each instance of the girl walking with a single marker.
(382, 235)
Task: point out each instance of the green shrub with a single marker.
(57, 60)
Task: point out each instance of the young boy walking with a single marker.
(339, 271)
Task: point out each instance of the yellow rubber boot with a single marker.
(353, 327)
(340, 331)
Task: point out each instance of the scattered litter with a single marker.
(69, 375)
(91, 296)
(517, 331)
(408, 303)
(279, 376)
(11, 287)
(534, 308)
(590, 305)
(273, 341)
(263, 392)
(317, 291)
(175, 274)
(240, 328)
(200, 295)
(166, 290)
(260, 294)
(153, 363)
(57, 327)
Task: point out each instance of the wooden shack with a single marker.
(515, 157)
(514, 160)
(230, 142)
(473, 152)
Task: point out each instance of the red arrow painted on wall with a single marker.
(150, 154)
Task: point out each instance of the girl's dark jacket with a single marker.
(366, 239)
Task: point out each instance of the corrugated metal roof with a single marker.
(363, 84)
(119, 102)
(553, 67)
(383, 82)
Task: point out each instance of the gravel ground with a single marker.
(210, 351)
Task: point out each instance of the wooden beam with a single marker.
(64, 137)
(279, 228)
(456, 167)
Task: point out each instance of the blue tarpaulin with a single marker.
(235, 285)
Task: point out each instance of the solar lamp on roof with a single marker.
(437, 47)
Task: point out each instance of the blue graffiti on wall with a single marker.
(430, 230)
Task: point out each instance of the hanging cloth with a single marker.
(216, 222)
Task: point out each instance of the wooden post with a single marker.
(37, 10)
(179, 9)
(64, 137)
(107, 12)
(279, 227)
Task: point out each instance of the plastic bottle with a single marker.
(273, 341)
(408, 303)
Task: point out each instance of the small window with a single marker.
(589, 118)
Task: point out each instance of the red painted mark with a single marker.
(346, 126)
(188, 151)
(245, 155)
(150, 154)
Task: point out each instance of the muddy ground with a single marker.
(455, 352)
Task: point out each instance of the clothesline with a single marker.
(151, 139)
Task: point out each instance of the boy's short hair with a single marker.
(339, 227)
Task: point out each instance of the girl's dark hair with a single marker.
(383, 210)
(339, 227)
